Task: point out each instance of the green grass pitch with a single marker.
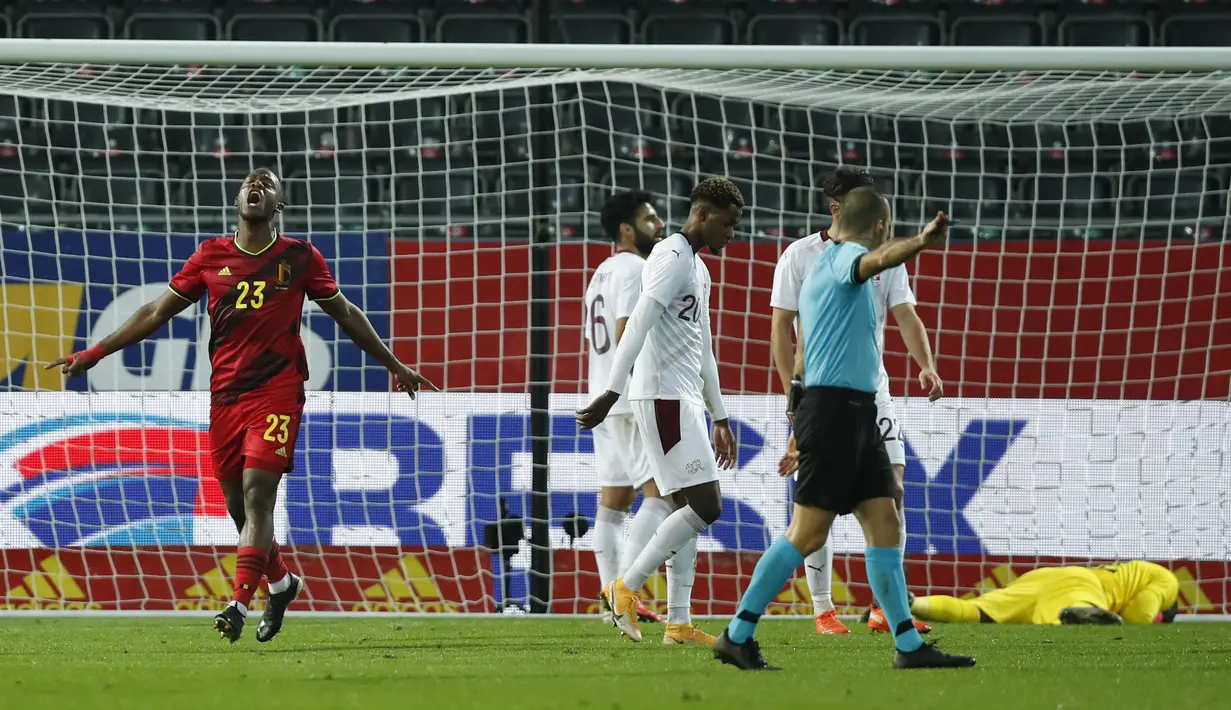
(382, 663)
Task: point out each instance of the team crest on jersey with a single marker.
(284, 272)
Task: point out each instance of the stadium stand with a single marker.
(398, 165)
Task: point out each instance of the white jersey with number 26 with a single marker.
(890, 288)
(669, 366)
(610, 297)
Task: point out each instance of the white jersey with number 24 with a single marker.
(610, 297)
(890, 288)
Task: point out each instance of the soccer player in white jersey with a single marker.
(632, 224)
(892, 293)
(667, 337)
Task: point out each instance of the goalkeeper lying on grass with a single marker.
(1133, 592)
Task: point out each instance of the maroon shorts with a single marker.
(257, 431)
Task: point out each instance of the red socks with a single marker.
(249, 569)
(275, 569)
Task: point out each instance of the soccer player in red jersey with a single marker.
(256, 282)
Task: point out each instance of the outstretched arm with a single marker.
(899, 251)
(140, 325)
(915, 335)
(359, 329)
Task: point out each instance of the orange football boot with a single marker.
(829, 623)
(877, 621)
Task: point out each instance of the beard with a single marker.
(644, 243)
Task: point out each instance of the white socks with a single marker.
(681, 570)
(281, 585)
(649, 517)
(818, 570)
(680, 528)
(608, 536)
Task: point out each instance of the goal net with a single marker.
(1079, 313)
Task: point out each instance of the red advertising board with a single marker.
(1059, 319)
(722, 577)
(460, 580)
(339, 579)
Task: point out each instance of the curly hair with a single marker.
(843, 179)
(718, 192)
(621, 208)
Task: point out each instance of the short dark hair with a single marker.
(718, 192)
(861, 208)
(621, 208)
(838, 184)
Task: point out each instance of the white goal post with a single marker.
(1080, 314)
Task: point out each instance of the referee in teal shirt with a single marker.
(843, 467)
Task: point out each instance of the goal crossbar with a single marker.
(603, 56)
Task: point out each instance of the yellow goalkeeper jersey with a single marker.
(1137, 590)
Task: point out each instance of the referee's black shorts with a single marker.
(842, 459)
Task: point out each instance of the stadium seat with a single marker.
(169, 21)
(113, 198)
(483, 27)
(319, 134)
(827, 136)
(376, 27)
(898, 28)
(703, 27)
(6, 27)
(92, 127)
(1050, 147)
(46, 23)
(274, 27)
(770, 192)
(1218, 129)
(412, 131)
(998, 29)
(204, 196)
(185, 133)
(501, 125)
(1106, 29)
(12, 137)
(795, 28)
(967, 196)
(447, 197)
(937, 144)
(1173, 197)
(565, 190)
(1197, 29)
(722, 129)
(621, 122)
(26, 197)
(1074, 201)
(333, 196)
(670, 197)
(574, 26)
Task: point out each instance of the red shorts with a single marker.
(258, 431)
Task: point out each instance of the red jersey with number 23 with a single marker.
(255, 310)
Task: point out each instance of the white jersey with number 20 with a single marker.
(610, 297)
(669, 366)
